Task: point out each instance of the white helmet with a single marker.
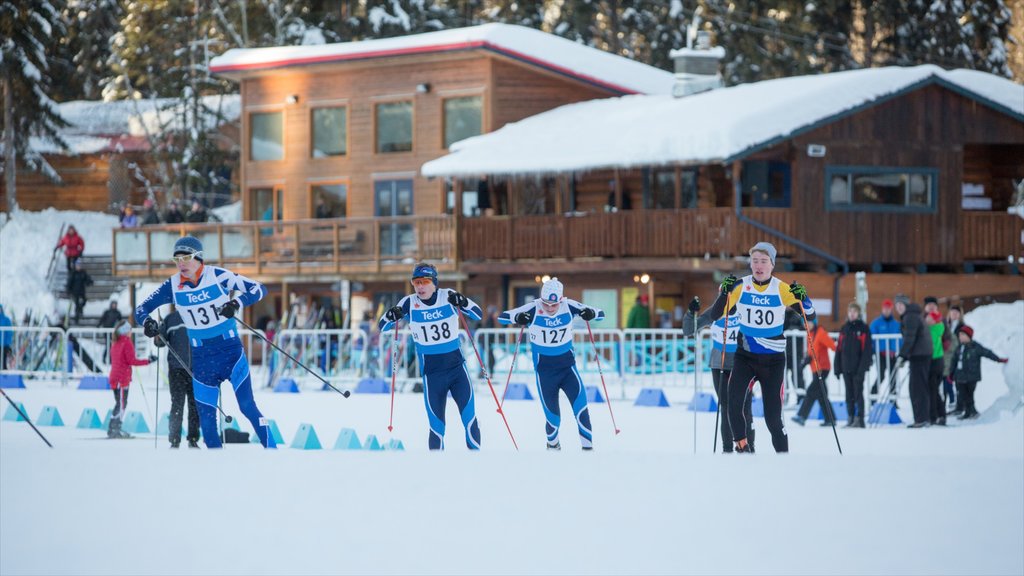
(551, 291)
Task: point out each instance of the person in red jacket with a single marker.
(122, 358)
(73, 246)
(818, 345)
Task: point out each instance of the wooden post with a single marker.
(376, 244)
(256, 249)
(337, 238)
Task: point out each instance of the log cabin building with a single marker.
(575, 163)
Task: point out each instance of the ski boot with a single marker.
(555, 446)
(193, 444)
(175, 442)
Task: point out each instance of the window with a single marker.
(265, 204)
(886, 189)
(470, 196)
(463, 118)
(330, 200)
(266, 136)
(665, 189)
(394, 127)
(330, 132)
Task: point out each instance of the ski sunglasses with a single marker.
(182, 258)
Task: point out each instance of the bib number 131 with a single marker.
(200, 317)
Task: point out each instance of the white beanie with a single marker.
(766, 247)
(551, 291)
(123, 328)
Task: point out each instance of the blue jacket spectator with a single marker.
(887, 325)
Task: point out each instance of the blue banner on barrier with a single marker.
(94, 382)
(11, 381)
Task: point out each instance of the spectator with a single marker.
(73, 245)
(122, 358)
(179, 364)
(818, 345)
(936, 369)
(795, 351)
(149, 214)
(853, 359)
(6, 340)
(491, 321)
(322, 209)
(886, 348)
(129, 219)
(483, 196)
(197, 213)
(639, 315)
(111, 316)
(967, 367)
(916, 351)
(953, 323)
(174, 215)
(78, 281)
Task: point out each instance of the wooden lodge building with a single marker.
(575, 163)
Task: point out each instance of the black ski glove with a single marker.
(394, 314)
(524, 319)
(457, 300)
(694, 305)
(228, 310)
(150, 328)
(588, 314)
(727, 283)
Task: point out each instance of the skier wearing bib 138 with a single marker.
(761, 301)
(434, 323)
(549, 322)
(202, 295)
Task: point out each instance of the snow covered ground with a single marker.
(932, 501)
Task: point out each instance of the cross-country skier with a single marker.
(721, 366)
(122, 358)
(434, 323)
(761, 301)
(548, 319)
(208, 297)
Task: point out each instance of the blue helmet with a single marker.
(425, 271)
(189, 245)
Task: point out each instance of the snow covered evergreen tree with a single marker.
(653, 28)
(28, 33)
(84, 52)
(988, 27)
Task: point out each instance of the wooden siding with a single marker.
(86, 185)
(521, 91)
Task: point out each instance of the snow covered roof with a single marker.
(122, 125)
(717, 126)
(527, 45)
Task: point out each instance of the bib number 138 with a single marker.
(436, 332)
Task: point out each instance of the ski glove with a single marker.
(524, 319)
(150, 328)
(228, 310)
(457, 300)
(694, 306)
(588, 314)
(394, 314)
(727, 283)
(798, 291)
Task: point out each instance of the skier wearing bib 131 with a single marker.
(202, 295)
(549, 321)
(434, 323)
(761, 301)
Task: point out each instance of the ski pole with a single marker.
(487, 376)
(696, 380)
(156, 418)
(395, 354)
(25, 416)
(513, 367)
(227, 417)
(597, 358)
(826, 403)
(722, 386)
(344, 393)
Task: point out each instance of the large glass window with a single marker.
(470, 197)
(266, 136)
(665, 189)
(871, 188)
(330, 200)
(463, 118)
(394, 127)
(330, 132)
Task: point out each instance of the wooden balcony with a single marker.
(304, 249)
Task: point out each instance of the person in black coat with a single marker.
(78, 281)
(174, 333)
(966, 369)
(174, 214)
(852, 361)
(917, 352)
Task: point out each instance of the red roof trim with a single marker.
(453, 47)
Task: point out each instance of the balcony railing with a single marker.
(295, 247)
(991, 236)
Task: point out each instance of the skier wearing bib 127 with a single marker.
(434, 323)
(549, 321)
(203, 297)
(761, 301)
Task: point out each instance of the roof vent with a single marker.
(697, 68)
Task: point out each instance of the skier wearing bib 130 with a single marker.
(549, 321)
(761, 301)
(434, 323)
(203, 297)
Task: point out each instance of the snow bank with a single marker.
(1000, 328)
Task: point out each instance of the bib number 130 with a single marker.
(760, 317)
(436, 332)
